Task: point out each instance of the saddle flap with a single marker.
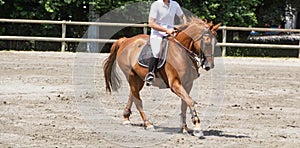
(146, 54)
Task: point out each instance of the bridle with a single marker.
(201, 56)
(204, 33)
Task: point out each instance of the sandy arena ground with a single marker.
(52, 99)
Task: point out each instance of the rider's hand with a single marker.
(170, 31)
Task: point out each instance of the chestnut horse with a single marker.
(191, 48)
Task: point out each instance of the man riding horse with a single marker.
(193, 47)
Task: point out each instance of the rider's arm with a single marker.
(154, 25)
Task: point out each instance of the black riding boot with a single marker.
(151, 71)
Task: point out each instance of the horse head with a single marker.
(199, 37)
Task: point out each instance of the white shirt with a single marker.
(164, 15)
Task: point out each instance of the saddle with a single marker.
(146, 54)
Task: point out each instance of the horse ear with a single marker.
(210, 25)
(215, 28)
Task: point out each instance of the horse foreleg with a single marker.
(179, 90)
(184, 127)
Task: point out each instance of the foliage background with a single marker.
(246, 13)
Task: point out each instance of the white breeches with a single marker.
(155, 42)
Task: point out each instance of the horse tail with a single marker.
(112, 79)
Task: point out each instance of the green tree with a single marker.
(65, 9)
(229, 12)
(294, 3)
(274, 12)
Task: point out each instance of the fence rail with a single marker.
(63, 38)
(64, 24)
(54, 39)
(225, 44)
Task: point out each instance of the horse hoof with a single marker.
(148, 83)
(150, 128)
(127, 122)
(185, 131)
(198, 133)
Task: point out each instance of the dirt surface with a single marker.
(58, 100)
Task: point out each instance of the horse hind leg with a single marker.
(127, 112)
(136, 85)
(139, 105)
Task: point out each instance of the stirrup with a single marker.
(149, 78)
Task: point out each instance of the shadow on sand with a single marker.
(219, 133)
(207, 133)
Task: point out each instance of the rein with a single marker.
(197, 58)
(194, 56)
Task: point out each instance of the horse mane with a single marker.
(196, 20)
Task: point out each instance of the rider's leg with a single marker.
(151, 70)
(155, 46)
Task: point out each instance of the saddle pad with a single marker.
(146, 54)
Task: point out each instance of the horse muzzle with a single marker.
(208, 66)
